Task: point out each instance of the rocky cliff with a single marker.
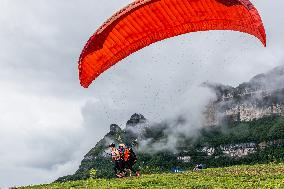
(262, 96)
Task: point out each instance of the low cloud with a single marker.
(186, 120)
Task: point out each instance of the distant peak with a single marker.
(135, 119)
(114, 128)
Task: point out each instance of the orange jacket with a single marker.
(126, 154)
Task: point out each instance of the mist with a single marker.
(184, 122)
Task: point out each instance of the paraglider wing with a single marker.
(144, 22)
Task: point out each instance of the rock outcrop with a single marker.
(262, 96)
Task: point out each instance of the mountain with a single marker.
(244, 125)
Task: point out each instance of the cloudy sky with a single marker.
(48, 121)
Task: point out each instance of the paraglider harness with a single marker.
(127, 154)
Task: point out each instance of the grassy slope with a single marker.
(256, 176)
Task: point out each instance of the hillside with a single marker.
(258, 141)
(256, 176)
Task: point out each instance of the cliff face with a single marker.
(262, 96)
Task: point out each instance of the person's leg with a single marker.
(115, 167)
(131, 164)
(118, 171)
(128, 167)
(121, 167)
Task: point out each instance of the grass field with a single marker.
(256, 176)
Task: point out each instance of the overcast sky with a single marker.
(48, 121)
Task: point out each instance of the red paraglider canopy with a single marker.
(144, 22)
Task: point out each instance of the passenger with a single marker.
(115, 155)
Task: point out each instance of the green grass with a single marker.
(255, 176)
